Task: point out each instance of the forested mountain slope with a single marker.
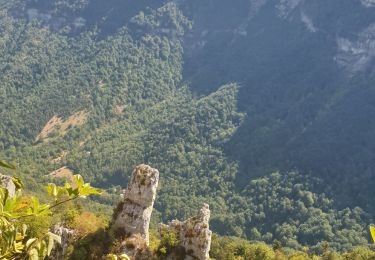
(215, 94)
(306, 70)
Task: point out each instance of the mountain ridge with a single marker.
(213, 94)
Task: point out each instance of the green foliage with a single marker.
(115, 257)
(130, 81)
(228, 248)
(15, 240)
(372, 232)
(295, 210)
(359, 253)
(78, 189)
(169, 241)
(7, 165)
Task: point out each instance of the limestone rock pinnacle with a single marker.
(133, 214)
(194, 234)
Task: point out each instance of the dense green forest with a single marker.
(26, 233)
(251, 114)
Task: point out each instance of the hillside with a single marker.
(261, 108)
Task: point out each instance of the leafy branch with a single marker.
(15, 243)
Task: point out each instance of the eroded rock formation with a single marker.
(194, 235)
(7, 183)
(133, 214)
(132, 217)
(67, 236)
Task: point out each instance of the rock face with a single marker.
(359, 54)
(7, 183)
(132, 217)
(133, 214)
(194, 234)
(67, 235)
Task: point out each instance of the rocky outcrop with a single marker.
(67, 236)
(131, 219)
(133, 214)
(8, 183)
(194, 235)
(357, 55)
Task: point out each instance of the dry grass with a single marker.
(49, 127)
(59, 158)
(120, 109)
(60, 126)
(63, 172)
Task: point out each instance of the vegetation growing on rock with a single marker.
(260, 108)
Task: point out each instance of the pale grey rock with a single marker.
(357, 55)
(67, 236)
(134, 212)
(194, 234)
(7, 183)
